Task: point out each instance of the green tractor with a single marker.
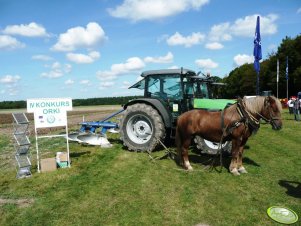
(167, 94)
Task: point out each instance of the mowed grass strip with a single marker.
(116, 187)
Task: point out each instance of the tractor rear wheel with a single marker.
(212, 148)
(141, 127)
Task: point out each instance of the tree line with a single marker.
(242, 80)
(76, 102)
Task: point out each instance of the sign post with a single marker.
(50, 112)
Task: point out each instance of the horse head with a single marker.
(271, 112)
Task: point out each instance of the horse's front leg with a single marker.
(240, 167)
(233, 168)
(185, 148)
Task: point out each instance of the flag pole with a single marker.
(257, 84)
(287, 88)
(277, 75)
(286, 75)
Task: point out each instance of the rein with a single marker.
(272, 118)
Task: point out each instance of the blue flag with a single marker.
(257, 46)
(286, 69)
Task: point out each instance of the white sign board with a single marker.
(49, 112)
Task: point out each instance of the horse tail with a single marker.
(178, 139)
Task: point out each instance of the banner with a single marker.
(49, 112)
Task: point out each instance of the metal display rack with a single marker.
(21, 145)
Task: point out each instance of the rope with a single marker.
(167, 152)
(172, 155)
(224, 134)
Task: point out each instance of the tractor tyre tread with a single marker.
(158, 127)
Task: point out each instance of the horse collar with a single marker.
(252, 123)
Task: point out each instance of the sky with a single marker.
(98, 48)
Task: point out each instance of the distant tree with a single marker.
(75, 102)
(242, 80)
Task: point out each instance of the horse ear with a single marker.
(267, 100)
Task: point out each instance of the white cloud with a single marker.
(299, 11)
(57, 70)
(214, 46)
(104, 85)
(272, 47)
(82, 58)
(42, 57)
(9, 43)
(9, 79)
(220, 32)
(29, 30)
(12, 92)
(131, 65)
(85, 82)
(69, 82)
(174, 67)
(246, 26)
(139, 78)
(67, 68)
(188, 41)
(106, 75)
(241, 59)
(80, 37)
(161, 59)
(243, 27)
(136, 10)
(125, 85)
(206, 64)
(52, 74)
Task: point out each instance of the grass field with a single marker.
(117, 187)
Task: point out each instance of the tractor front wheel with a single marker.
(141, 127)
(212, 148)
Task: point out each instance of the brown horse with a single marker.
(235, 123)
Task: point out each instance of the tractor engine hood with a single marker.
(212, 104)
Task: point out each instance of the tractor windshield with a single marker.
(204, 90)
(138, 85)
(197, 88)
(164, 86)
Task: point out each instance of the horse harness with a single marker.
(246, 118)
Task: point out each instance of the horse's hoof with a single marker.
(189, 168)
(235, 172)
(242, 170)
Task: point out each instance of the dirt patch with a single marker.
(74, 118)
(22, 203)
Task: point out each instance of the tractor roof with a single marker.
(167, 71)
(186, 72)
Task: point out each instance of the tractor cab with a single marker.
(175, 88)
(180, 90)
(163, 84)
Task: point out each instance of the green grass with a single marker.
(117, 187)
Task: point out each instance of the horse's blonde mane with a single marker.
(255, 104)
